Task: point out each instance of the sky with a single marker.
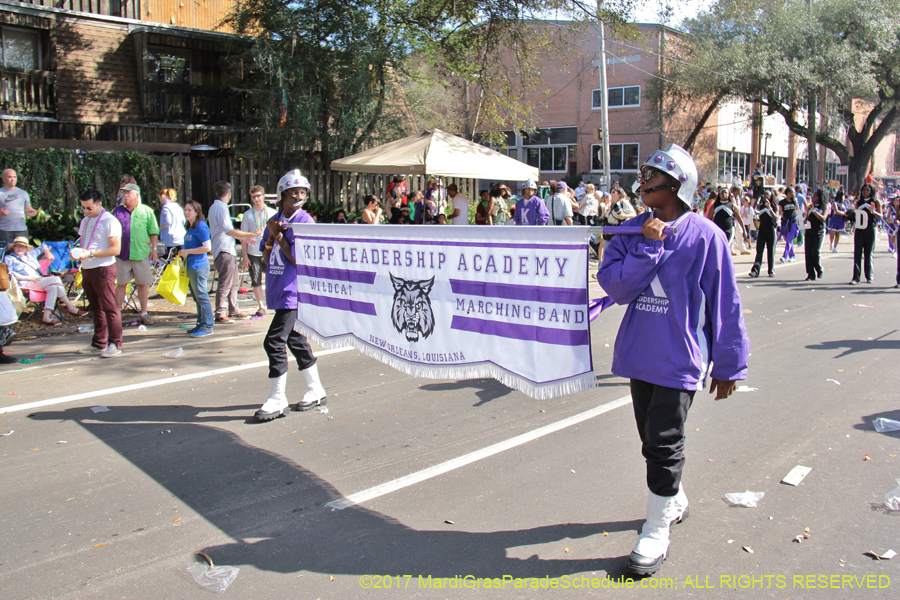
(649, 12)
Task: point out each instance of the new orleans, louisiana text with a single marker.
(577, 582)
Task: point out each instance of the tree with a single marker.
(326, 74)
(776, 53)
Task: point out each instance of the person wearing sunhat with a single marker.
(23, 262)
(684, 312)
(282, 295)
(530, 209)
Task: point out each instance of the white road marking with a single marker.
(155, 349)
(461, 461)
(153, 383)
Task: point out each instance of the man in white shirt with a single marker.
(101, 239)
(15, 205)
(222, 235)
(171, 221)
(460, 214)
(580, 191)
(560, 206)
(252, 257)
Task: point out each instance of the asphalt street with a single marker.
(113, 504)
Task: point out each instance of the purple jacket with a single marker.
(532, 212)
(684, 310)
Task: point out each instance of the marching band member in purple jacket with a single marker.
(684, 322)
(281, 295)
(531, 210)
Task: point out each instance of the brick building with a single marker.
(566, 141)
(145, 73)
(735, 137)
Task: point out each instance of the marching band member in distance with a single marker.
(281, 295)
(530, 209)
(684, 312)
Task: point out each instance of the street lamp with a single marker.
(766, 149)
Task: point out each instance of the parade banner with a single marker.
(453, 302)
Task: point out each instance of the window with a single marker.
(507, 141)
(20, 49)
(734, 165)
(777, 167)
(554, 158)
(556, 144)
(618, 97)
(622, 157)
(550, 135)
(168, 65)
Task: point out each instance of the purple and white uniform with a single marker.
(281, 274)
(532, 212)
(684, 311)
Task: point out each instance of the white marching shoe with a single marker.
(652, 547)
(315, 393)
(276, 404)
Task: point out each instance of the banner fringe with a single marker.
(538, 391)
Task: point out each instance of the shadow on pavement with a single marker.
(274, 509)
(854, 346)
(488, 389)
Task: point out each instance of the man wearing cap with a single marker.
(101, 238)
(560, 206)
(460, 214)
(222, 235)
(531, 210)
(15, 205)
(140, 232)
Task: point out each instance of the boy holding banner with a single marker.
(684, 313)
(281, 295)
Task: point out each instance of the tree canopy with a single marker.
(334, 75)
(777, 52)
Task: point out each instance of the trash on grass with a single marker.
(866, 457)
(212, 577)
(834, 381)
(184, 326)
(882, 425)
(10, 432)
(747, 549)
(99, 409)
(176, 353)
(886, 556)
(323, 409)
(134, 323)
(86, 329)
(744, 388)
(748, 498)
(891, 499)
(796, 475)
(863, 306)
(142, 328)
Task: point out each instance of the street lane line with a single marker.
(153, 383)
(461, 461)
(184, 345)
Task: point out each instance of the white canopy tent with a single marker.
(437, 153)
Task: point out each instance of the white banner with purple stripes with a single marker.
(453, 302)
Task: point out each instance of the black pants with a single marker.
(898, 266)
(812, 250)
(863, 247)
(660, 413)
(281, 335)
(765, 240)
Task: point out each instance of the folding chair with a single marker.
(163, 259)
(38, 296)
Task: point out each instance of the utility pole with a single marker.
(604, 110)
(813, 163)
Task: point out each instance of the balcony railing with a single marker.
(115, 8)
(199, 104)
(27, 92)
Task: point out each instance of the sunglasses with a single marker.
(648, 173)
(255, 196)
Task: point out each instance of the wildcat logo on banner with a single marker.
(453, 302)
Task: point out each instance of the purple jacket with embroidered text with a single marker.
(684, 310)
